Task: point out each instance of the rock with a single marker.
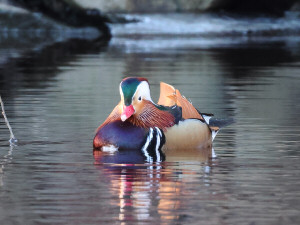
(111, 6)
(274, 7)
(6, 8)
(68, 12)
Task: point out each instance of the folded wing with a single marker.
(170, 96)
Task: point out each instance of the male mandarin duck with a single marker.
(139, 125)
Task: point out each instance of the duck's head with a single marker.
(134, 92)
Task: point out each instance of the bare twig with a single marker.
(12, 140)
(6, 160)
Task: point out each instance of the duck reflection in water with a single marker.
(148, 192)
(146, 150)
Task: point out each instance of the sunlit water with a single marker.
(57, 95)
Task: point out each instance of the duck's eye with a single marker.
(140, 98)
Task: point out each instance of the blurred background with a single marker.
(61, 62)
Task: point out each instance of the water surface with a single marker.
(58, 94)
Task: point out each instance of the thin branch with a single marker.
(12, 139)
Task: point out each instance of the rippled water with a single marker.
(57, 95)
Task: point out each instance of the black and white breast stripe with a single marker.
(153, 144)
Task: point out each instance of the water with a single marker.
(57, 94)
(173, 24)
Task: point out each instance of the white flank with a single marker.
(206, 118)
(110, 149)
(157, 144)
(144, 149)
(213, 154)
(214, 134)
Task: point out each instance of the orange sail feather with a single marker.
(170, 96)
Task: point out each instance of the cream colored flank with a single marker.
(188, 134)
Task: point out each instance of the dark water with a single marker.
(56, 96)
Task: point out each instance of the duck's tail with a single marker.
(215, 124)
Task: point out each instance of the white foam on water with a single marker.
(205, 24)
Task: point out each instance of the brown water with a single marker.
(57, 95)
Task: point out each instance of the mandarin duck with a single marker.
(147, 129)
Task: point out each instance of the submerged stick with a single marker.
(12, 139)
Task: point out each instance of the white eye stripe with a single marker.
(143, 91)
(121, 93)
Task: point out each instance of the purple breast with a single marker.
(124, 135)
